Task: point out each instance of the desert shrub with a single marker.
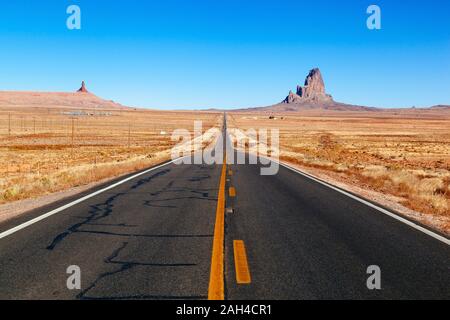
(46, 182)
(429, 186)
(404, 178)
(11, 193)
(374, 171)
(438, 202)
(341, 167)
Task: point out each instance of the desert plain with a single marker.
(52, 143)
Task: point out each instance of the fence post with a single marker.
(73, 134)
(129, 136)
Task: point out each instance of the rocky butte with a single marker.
(83, 88)
(311, 96)
(312, 91)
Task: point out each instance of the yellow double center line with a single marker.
(216, 280)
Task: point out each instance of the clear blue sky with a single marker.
(228, 53)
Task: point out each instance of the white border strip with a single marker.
(367, 203)
(73, 203)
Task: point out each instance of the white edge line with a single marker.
(367, 203)
(73, 203)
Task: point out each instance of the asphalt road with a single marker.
(151, 238)
(307, 241)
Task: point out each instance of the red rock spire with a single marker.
(83, 87)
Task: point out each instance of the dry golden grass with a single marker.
(44, 150)
(406, 155)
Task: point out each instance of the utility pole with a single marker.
(129, 136)
(73, 135)
(9, 124)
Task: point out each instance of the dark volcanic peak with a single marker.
(311, 96)
(314, 85)
(313, 90)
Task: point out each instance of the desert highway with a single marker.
(152, 236)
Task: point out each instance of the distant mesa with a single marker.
(312, 91)
(81, 100)
(83, 88)
(441, 107)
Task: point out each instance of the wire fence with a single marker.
(45, 143)
(14, 130)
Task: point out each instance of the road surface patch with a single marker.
(232, 192)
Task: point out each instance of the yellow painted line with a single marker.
(216, 279)
(232, 192)
(241, 263)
